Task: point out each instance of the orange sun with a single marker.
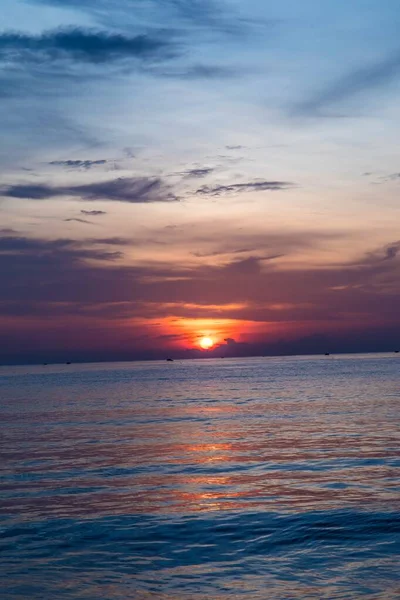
(206, 343)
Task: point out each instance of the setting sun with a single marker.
(206, 343)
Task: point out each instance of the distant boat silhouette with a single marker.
(396, 351)
(67, 363)
(327, 354)
(170, 360)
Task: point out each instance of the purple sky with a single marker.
(175, 169)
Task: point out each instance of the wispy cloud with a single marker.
(132, 190)
(78, 164)
(198, 173)
(77, 220)
(45, 252)
(216, 72)
(359, 81)
(387, 253)
(392, 177)
(258, 186)
(184, 14)
(93, 213)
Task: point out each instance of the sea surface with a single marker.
(242, 479)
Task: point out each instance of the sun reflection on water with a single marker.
(260, 468)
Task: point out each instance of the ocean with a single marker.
(239, 479)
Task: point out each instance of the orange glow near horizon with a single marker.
(196, 333)
(182, 333)
(192, 331)
(206, 343)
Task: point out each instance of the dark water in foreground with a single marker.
(215, 479)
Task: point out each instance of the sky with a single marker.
(179, 169)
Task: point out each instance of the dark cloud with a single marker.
(132, 190)
(82, 45)
(170, 337)
(229, 251)
(93, 213)
(258, 186)
(56, 251)
(392, 251)
(376, 258)
(8, 231)
(359, 81)
(221, 252)
(115, 241)
(198, 173)
(391, 177)
(82, 164)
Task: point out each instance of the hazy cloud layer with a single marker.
(60, 279)
(131, 190)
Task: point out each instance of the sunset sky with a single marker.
(179, 169)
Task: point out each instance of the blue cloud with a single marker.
(89, 46)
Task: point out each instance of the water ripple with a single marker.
(248, 479)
